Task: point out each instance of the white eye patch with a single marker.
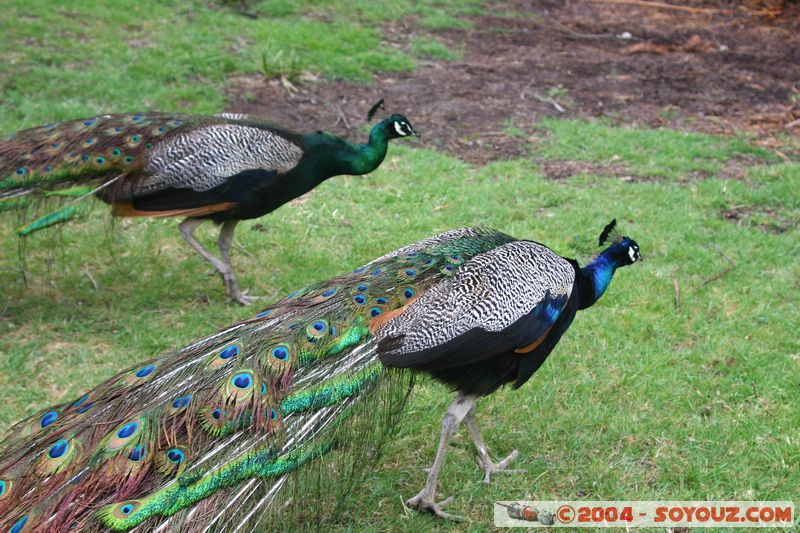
(399, 129)
(632, 254)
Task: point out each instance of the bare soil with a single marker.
(716, 66)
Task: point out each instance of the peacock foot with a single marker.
(489, 467)
(424, 502)
(233, 291)
(242, 298)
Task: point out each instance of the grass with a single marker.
(177, 55)
(642, 399)
(430, 48)
(645, 152)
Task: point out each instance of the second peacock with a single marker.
(223, 168)
(208, 437)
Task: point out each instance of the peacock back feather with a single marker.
(158, 145)
(213, 434)
(87, 148)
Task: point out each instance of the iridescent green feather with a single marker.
(56, 217)
(72, 192)
(331, 393)
(170, 500)
(10, 204)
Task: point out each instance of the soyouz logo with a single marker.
(630, 514)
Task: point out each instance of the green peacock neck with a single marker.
(367, 157)
(342, 157)
(329, 155)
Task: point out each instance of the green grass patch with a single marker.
(431, 48)
(89, 56)
(645, 152)
(441, 14)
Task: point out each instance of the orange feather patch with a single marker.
(127, 210)
(376, 323)
(535, 344)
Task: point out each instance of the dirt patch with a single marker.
(560, 169)
(723, 69)
(764, 218)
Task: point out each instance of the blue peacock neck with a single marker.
(599, 272)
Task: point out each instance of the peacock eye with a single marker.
(398, 127)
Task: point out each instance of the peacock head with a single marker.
(623, 250)
(397, 126)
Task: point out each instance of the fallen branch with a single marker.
(662, 5)
(724, 272)
(548, 100)
(718, 276)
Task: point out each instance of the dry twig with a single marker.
(243, 249)
(677, 294)
(551, 101)
(342, 118)
(662, 5)
(88, 274)
(723, 272)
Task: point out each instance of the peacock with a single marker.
(236, 430)
(224, 168)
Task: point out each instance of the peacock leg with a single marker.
(224, 242)
(224, 269)
(425, 500)
(485, 462)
